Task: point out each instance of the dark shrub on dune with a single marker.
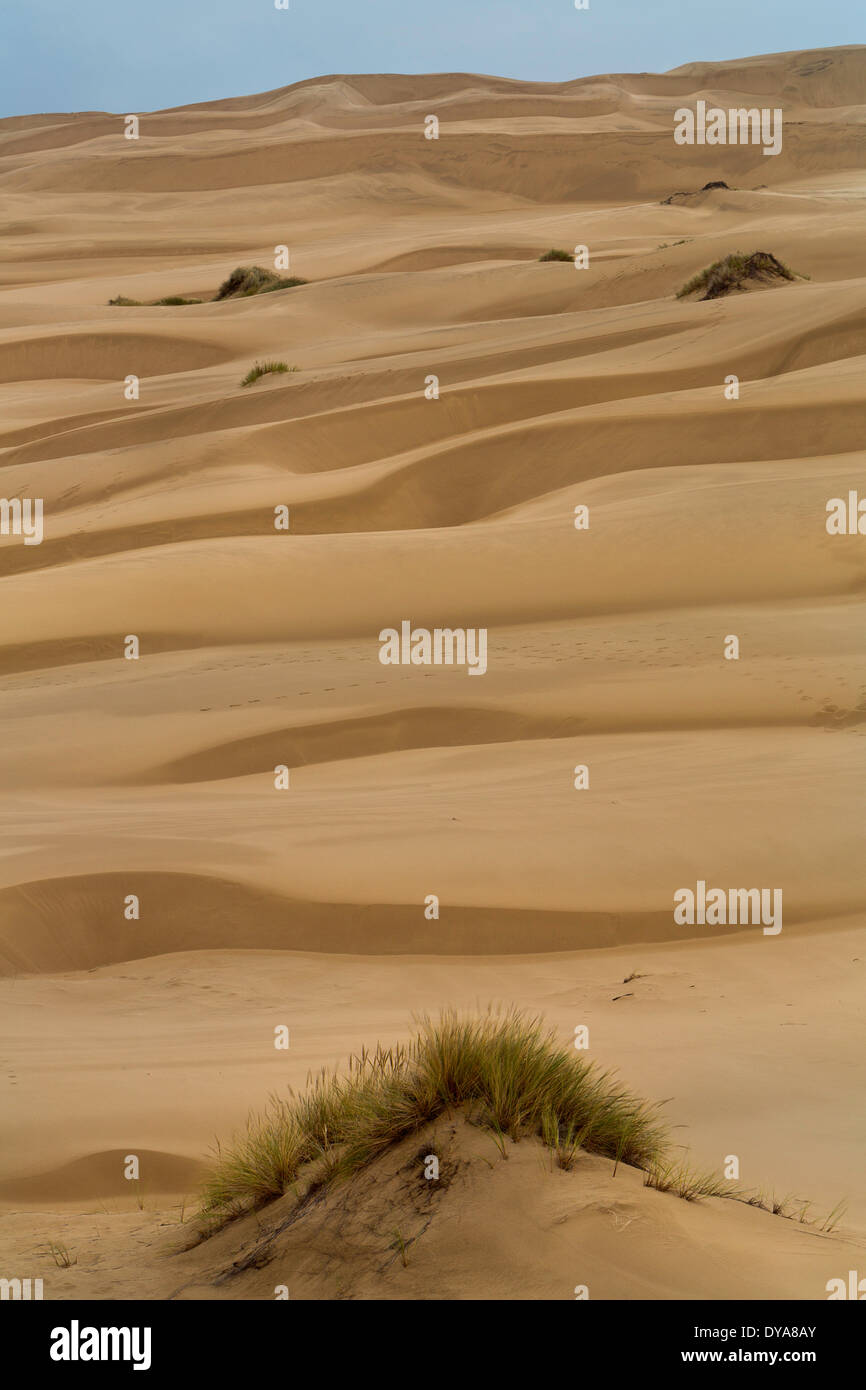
(253, 279)
(733, 272)
(169, 300)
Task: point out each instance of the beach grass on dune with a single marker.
(668, 1174)
(732, 272)
(556, 254)
(503, 1068)
(263, 369)
(287, 282)
(168, 300)
(246, 280)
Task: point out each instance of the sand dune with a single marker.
(395, 1236)
(556, 389)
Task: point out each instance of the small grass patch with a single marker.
(400, 1245)
(169, 299)
(732, 273)
(246, 280)
(60, 1255)
(565, 1142)
(288, 283)
(672, 1175)
(263, 369)
(556, 254)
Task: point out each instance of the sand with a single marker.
(557, 388)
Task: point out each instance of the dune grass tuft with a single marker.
(675, 1175)
(169, 299)
(263, 368)
(503, 1068)
(60, 1255)
(555, 254)
(732, 272)
(244, 280)
(253, 279)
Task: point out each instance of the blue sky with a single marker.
(139, 55)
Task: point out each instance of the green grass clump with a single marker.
(556, 255)
(675, 1175)
(252, 279)
(153, 303)
(243, 281)
(733, 271)
(504, 1068)
(287, 282)
(263, 368)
